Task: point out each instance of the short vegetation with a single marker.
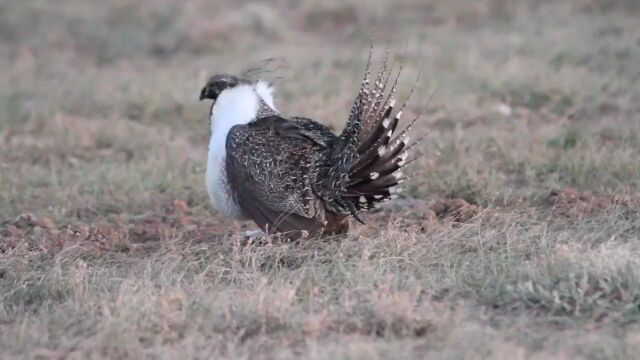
(518, 239)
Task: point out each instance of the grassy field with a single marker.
(519, 241)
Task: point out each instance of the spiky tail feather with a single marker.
(368, 157)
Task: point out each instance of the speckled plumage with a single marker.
(293, 175)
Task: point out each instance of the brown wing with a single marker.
(268, 164)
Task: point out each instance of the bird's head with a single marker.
(221, 83)
(218, 83)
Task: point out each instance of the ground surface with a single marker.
(519, 240)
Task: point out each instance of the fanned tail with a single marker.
(369, 154)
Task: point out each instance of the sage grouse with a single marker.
(292, 175)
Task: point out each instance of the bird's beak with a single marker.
(203, 93)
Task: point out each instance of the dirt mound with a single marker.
(457, 210)
(568, 203)
(27, 233)
(36, 234)
(422, 212)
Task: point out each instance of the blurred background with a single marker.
(99, 110)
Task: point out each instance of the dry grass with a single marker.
(521, 239)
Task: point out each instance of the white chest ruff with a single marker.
(218, 187)
(235, 106)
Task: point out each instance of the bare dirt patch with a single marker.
(136, 236)
(457, 210)
(570, 204)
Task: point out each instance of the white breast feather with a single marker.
(235, 106)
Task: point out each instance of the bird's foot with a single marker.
(254, 236)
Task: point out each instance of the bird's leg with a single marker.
(256, 237)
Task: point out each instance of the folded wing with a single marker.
(268, 164)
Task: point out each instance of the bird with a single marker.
(292, 175)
